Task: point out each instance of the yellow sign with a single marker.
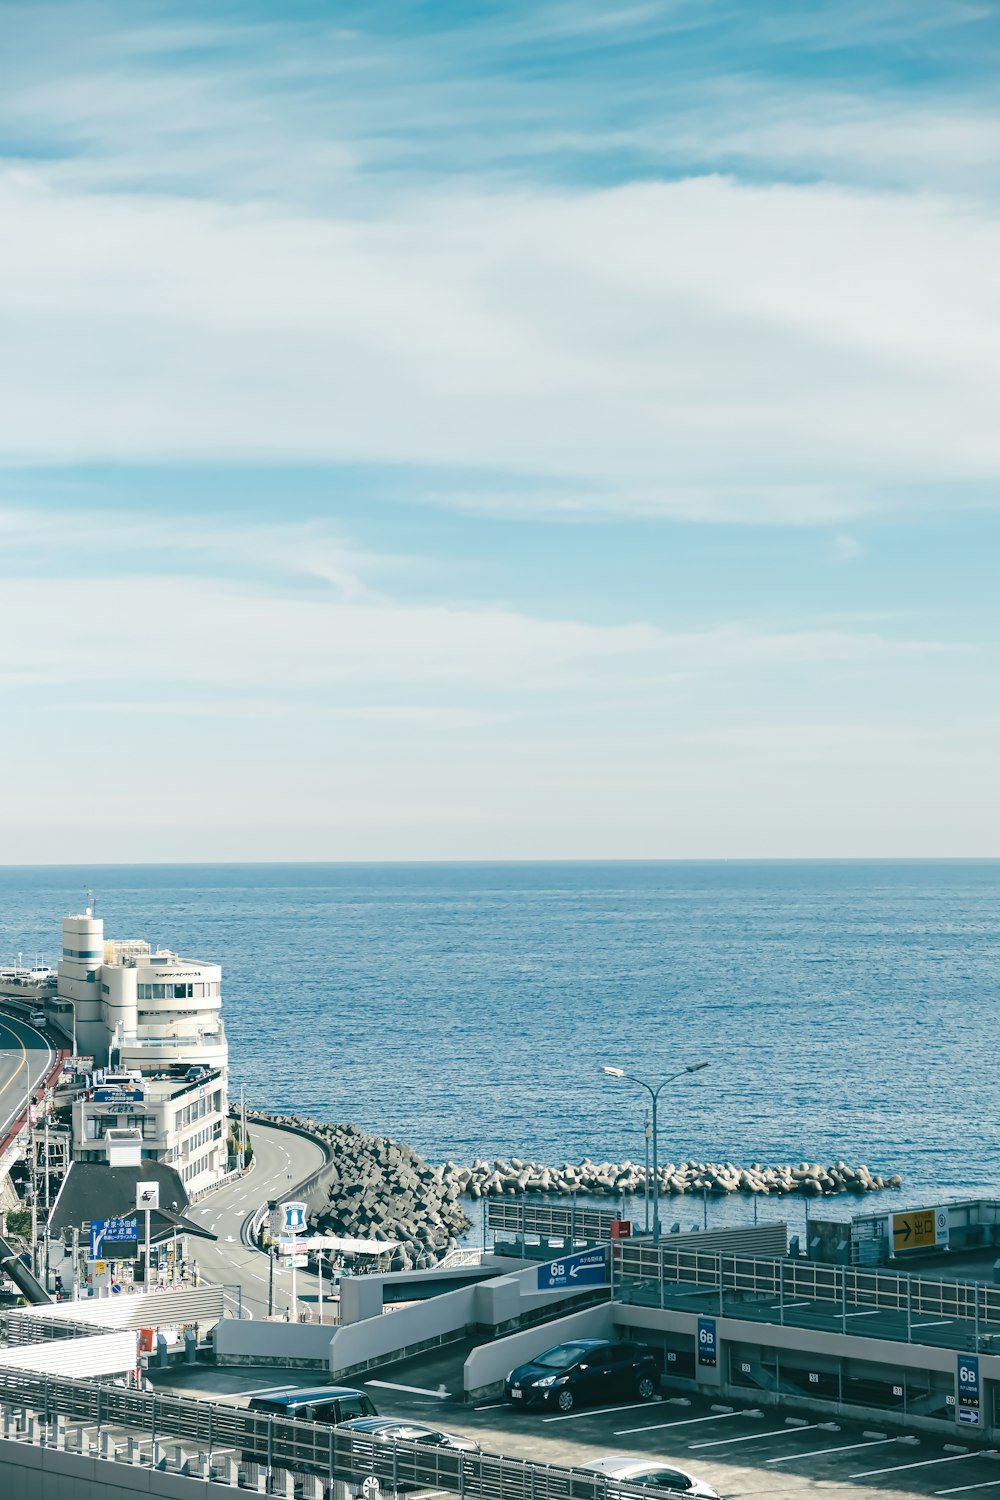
(100, 1267)
(916, 1230)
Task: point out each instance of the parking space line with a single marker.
(790, 1458)
(491, 1407)
(922, 1463)
(869, 1312)
(938, 1323)
(960, 1489)
(774, 1307)
(755, 1437)
(719, 1416)
(413, 1390)
(599, 1411)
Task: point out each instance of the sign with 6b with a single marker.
(708, 1354)
(968, 1390)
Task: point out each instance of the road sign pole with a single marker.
(295, 1314)
(975, 1293)
(656, 1174)
(843, 1298)
(909, 1310)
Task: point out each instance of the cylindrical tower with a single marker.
(79, 980)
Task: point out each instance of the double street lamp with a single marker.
(654, 1093)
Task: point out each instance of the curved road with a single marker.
(281, 1159)
(26, 1055)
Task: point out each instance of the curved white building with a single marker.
(157, 1015)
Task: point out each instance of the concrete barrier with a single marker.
(289, 1345)
(486, 1367)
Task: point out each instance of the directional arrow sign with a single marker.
(916, 1230)
(114, 1231)
(587, 1268)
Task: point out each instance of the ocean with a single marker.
(846, 1009)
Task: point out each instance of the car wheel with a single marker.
(564, 1400)
(646, 1388)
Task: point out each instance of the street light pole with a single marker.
(654, 1094)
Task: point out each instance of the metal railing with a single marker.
(333, 1453)
(521, 1216)
(795, 1291)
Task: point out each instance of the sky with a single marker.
(499, 431)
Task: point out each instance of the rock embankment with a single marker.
(379, 1189)
(608, 1179)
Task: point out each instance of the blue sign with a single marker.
(708, 1343)
(587, 1268)
(116, 1231)
(109, 1095)
(968, 1390)
(294, 1217)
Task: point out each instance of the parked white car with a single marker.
(657, 1471)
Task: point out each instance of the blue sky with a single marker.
(558, 430)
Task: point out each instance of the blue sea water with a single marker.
(847, 1009)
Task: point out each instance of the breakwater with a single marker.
(615, 1180)
(377, 1188)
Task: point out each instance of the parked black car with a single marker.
(585, 1370)
(327, 1403)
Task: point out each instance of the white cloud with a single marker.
(706, 347)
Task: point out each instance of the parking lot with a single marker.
(741, 1449)
(938, 1328)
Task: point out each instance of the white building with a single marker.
(155, 1020)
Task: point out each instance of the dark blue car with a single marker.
(585, 1370)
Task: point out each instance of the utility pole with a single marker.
(270, 1280)
(243, 1130)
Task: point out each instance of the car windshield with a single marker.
(562, 1356)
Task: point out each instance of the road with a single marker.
(281, 1159)
(25, 1057)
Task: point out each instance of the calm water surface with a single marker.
(847, 1009)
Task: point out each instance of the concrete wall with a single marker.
(31, 1473)
(239, 1341)
(417, 1326)
(487, 1366)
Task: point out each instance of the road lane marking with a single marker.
(756, 1437)
(414, 1390)
(683, 1422)
(22, 1064)
(959, 1489)
(922, 1463)
(598, 1411)
(790, 1458)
